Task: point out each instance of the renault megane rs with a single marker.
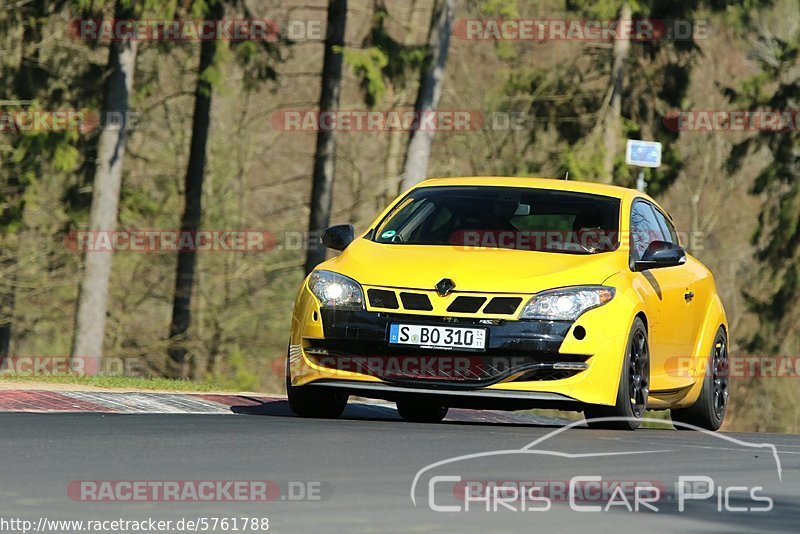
(512, 293)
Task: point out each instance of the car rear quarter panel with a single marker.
(710, 319)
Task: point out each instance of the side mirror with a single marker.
(338, 237)
(661, 254)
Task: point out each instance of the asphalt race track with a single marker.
(364, 464)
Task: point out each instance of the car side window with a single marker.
(644, 228)
(667, 228)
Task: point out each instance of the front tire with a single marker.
(314, 401)
(708, 411)
(634, 386)
(421, 410)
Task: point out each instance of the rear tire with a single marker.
(314, 401)
(421, 411)
(634, 386)
(708, 411)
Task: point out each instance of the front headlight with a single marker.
(566, 304)
(336, 291)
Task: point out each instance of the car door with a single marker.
(697, 298)
(671, 311)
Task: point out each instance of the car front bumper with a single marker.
(525, 363)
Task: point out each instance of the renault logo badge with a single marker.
(445, 287)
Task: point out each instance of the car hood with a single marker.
(472, 269)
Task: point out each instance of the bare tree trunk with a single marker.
(325, 155)
(29, 79)
(398, 138)
(612, 133)
(93, 297)
(430, 91)
(392, 168)
(178, 366)
(7, 301)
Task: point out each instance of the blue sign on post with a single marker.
(643, 153)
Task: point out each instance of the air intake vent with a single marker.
(466, 304)
(416, 301)
(378, 298)
(544, 375)
(503, 306)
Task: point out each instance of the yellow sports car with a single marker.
(512, 293)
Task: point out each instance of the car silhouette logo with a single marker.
(535, 448)
(445, 287)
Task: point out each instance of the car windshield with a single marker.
(504, 217)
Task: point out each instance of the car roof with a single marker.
(537, 183)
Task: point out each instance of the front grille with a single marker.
(379, 298)
(416, 301)
(503, 305)
(466, 305)
(419, 300)
(401, 364)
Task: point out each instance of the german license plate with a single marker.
(439, 337)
